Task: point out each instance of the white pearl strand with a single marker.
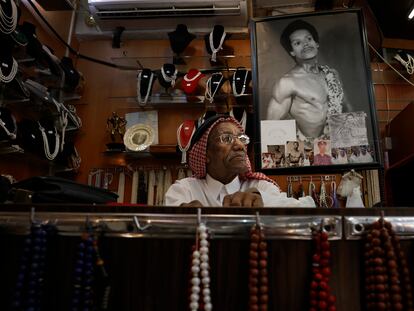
(184, 148)
(12, 135)
(8, 23)
(209, 94)
(213, 49)
(244, 84)
(143, 101)
(50, 156)
(167, 78)
(12, 74)
(201, 264)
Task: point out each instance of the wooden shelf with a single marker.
(181, 101)
(154, 151)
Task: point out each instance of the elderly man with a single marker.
(309, 92)
(222, 172)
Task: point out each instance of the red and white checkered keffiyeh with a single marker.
(197, 155)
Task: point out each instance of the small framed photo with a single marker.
(313, 91)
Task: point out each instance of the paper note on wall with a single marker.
(276, 132)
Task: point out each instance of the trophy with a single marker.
(116, 126)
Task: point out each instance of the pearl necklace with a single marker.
(46, 147)
(187, 79)
(209, 94)
(167, 78)
(8, 23)
(12, 135)
(200, 265)
(233, 84)
(62, 119)
(213, 49)
(12, 74)
(243, 120)
(184, 148)
(143, 101)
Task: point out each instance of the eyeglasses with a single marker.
(228, 139)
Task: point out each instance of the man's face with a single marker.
(322, 148)
(226, 159)
(296, 145)
(303, 45)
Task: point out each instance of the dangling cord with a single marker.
(289, 188)
(335, 203)
(105, 277)
(301, 192)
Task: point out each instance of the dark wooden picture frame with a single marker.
(331, 99)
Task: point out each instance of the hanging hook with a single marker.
(258, 224)
(138, 225)
(382, 220)
(32, 215)
(198, 216)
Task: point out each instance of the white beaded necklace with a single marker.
(143, 101)
(8, 23)
(243, 120)
(12, 74)
(233, 84)
(167, 78)
(184, 148)
(209, 94)
(187, 79)
(12, 135)
(213, 49)
(200, 265)
(46, 147)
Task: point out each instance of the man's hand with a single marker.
(249, 198)
(195, 203)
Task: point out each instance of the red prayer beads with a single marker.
(258, 280)
(320, 292)
(387, 280)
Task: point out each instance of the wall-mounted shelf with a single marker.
(175, 101)
(190, 61)
(153, 151)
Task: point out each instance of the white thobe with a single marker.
(210, 192)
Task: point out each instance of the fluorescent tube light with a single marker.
(411, 14)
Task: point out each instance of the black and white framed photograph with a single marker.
(312, 84)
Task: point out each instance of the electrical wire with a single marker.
(72, 50)
(385, 61)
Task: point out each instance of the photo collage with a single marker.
(345, 143)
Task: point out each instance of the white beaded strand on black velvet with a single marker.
(200, 266)
(8, 23)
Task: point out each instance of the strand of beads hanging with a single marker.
(387, 280)
(321, 297)
(30, 278)
(258, 277)
(201, 267)
(104, 277)
(82, 296)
